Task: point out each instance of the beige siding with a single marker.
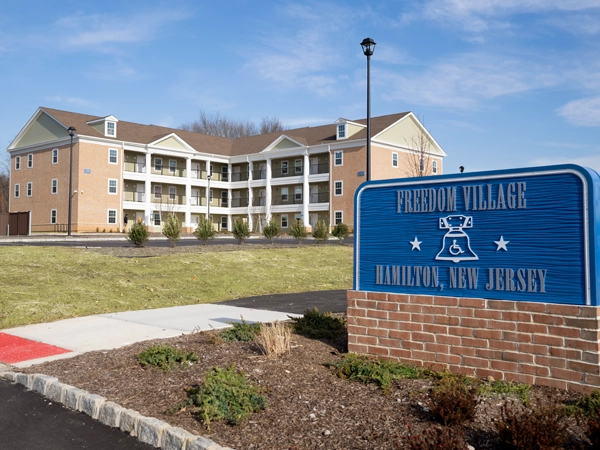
(99, 127)
(352, 129)
(286, 143)
(44, 129)
(405, 133)
(171, 142)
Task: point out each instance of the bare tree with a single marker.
(418, 161)
(218, 125)
(4, 186)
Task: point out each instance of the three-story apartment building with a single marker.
(146, 171)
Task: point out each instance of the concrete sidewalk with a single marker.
(34, 344)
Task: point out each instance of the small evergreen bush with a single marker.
(366, 370)
(341, 231)
(165, 357)
(320, 232)
(241, 230)
(316, 325)
(138, 234)
(435, 438)
(540, 428)
(205, 231)
(225, 394)
(271, 230)
(593, 430)
(453, 401)
(172, 229)
(506, 389)
(298, 231)
(240, 332)
(588, 405)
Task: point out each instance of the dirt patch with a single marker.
(308, 407)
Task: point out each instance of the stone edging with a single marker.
(147, 429)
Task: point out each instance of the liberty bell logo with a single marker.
(456, 246)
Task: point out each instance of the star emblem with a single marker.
(416, 244)
(501, 244)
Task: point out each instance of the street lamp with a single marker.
(368, 47)
(71, 131)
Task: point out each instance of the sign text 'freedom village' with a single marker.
(525, 234)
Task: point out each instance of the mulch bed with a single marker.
(308, 407)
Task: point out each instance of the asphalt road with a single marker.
(30, 421)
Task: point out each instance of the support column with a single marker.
(188, 192)
(269, 195)
(305, 189)
(250, 192)
(148, 208)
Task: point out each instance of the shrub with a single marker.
(434, 438)
(274, 339)
(298, 231)
(366, 370)
(506, 389)
(241, 230)
(165, 357)
(588, 405)
(225, 395)
(205, 231)
(316, 325)
(453, 401)
(240, 332)
(540, 428)
(320, 232)
(340, 231)
(138, 234)
(593, 430)
(271, 230)
(172, 229)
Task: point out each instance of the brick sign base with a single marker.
(535, 343)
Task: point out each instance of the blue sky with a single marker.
(498, 83)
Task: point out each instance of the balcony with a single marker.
(286, 199)
(321, 197)
(134, 167)
(319, 168)
(201, 201)
(168, 199)
(171, 171)
(259, 201)
(259, 174)
(129, 196)
(239, 176)
(239, 202)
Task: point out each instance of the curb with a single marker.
(147, 429)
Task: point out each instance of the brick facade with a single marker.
(535, 343)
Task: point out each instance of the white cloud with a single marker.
(116, 71)
(583, 112)
(75, 101)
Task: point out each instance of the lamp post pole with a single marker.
(368, 46)
(71, 131)
(208, 176)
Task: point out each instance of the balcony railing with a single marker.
(135, 167)
(319, 168)
(320, 197)
(239, 202)
(129, 196)
(259, 201)
(259, 174)
(201, 201)
(168, 199)
(287, 199)
(239, 176)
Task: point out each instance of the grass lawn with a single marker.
(44, 284)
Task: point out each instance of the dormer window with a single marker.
(341, 131)
(111, 129)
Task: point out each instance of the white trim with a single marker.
(54, 150)
(17, 189)
(341, 188)
(108, 217)
(287, 222)
(174, 168)
(341, 216)
(29, 191)
(30, 160)
(106, 124)
(394, 159)
(296, 166)
(154, 164)
(54, 191)
(116, 157)
(341, 152)
(18, 158)
(116, 186)
(55, 216)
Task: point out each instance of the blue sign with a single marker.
(523, 234)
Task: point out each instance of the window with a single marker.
(55, 156)
(158, 164)
(298, 193)
(30, 160)
(337, 187)
(111, 129)
(434, 167)
(17, 190)
(112, 156)
(224, 198)
(157, 191)
(156, 218)
(172, 166)
(17, 163)
(223, 222)
(284, 221)
(338, 217)
(224, 173)
(53, 216)
(298, 166)
(284, 194)
(112, 216)
(29, 189)
(284, 168)
(338, 158)
(172, 192)
(394, 159)
(112, 186)
(341, 129)
(54, 188)
(211, 195)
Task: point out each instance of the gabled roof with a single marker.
(147, 134)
